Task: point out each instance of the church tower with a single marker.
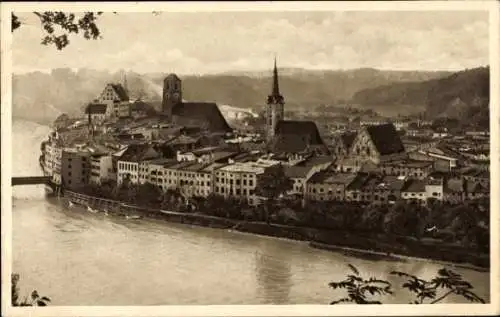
(172, 94)
(275, 106)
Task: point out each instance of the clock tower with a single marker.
(172, 94)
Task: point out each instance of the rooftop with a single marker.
(385, 138)
(248, 167)
(410, 163)
(414, 186)
(330, 177)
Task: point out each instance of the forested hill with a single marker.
(462, 95)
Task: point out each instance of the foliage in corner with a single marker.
(34, 300)
(447, 280)
(426, 292)
(359, 290)
(64, 23)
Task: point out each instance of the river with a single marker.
(80, 258)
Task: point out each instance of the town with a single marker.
(189, 147)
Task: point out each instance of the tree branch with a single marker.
(442, 297)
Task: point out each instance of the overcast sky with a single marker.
(228, 41)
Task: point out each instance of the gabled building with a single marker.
(301, 173)
(328, 185)
(342, 143)
(116, 98)
(378, 144)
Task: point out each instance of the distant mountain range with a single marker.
(41, 97)
(462, 95)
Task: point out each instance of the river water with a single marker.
(80, 258)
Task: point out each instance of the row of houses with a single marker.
(381, 189)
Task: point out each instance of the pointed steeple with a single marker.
(276, 87)
(275, 96)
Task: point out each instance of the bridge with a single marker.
(33, 180)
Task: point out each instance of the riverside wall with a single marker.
(368, 246)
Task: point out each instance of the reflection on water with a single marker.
(273, 275)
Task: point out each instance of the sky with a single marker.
(214, 42)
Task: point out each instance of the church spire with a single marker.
(276, 87)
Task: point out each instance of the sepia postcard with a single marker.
(250, 158)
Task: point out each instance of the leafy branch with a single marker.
(445, 280)
(359, 289)
(66, 23)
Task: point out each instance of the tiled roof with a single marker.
(223, 155)
(296, 171)
(358, 181)
(329, 177)
(393, 182)
(182, 140)
(296, 136)
(136, 153)
(409, 163)
(385, 138)
(414, 186)
(95, 108)
(205, 114)
(300, 129)
(121, 92)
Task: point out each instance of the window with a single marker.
(244, 182)
(237, 182)
(250, 182)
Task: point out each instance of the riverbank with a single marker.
(371, 246)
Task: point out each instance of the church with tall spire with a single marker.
(275, 110)
(289, 136)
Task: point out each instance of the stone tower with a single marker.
(275, 107)
(172, 94)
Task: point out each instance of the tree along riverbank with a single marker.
(370, 245)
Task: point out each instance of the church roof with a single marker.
(300, 128)
(296, 136)
(385, 138)
(206, 113)
(120, 91)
